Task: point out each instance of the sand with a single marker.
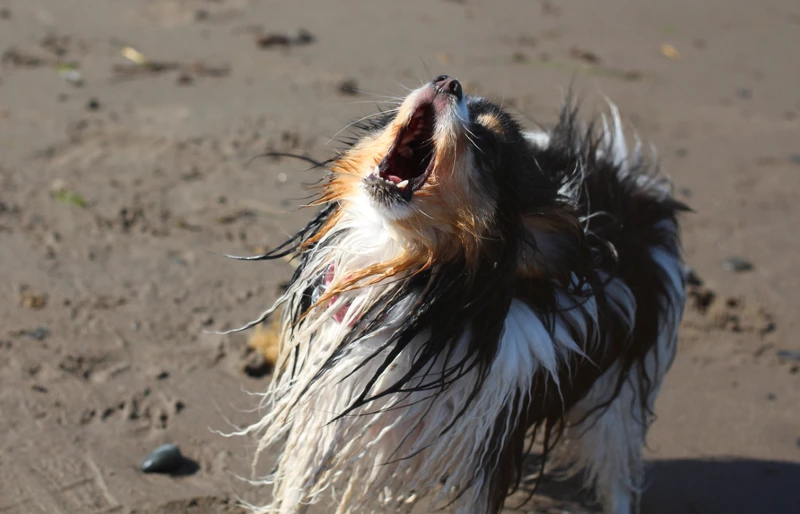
(121, 183)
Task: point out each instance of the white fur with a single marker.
(359, 454)
(387, 456)
(608, 444)
(538, 138)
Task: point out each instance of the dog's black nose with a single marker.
(448, 85)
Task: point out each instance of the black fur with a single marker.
(525, 181)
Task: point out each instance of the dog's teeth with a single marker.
(376, 171)
(402, 185)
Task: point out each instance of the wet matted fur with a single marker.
(468, 296)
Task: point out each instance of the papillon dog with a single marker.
(469, 299)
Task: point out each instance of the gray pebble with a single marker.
(794, 158)
(165, 459)
(789, 355)
(736, 264)
(40, 333)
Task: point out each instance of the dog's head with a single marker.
(441, 169)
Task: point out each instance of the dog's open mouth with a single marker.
(409, 162)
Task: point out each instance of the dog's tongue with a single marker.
(340, 314)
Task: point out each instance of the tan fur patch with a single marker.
(491, 122)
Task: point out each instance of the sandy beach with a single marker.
(130, 132)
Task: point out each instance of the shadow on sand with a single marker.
(740, 486)
(730, 486)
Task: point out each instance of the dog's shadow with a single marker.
(740, 486)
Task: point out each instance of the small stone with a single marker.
(744, 93)
(163, 375)
(184, 79)
(74, 77)
(39, 333)
(273, 40)
(794, 158)
(736, 264)
(58, 186)
(5, 13)
(87, 416)
(681, 152)
(31, 300)
(165, 459)
(348, 87)
(519, 58)
(304, 37)
(93, 105)
(767, 328)
(789, 355)
(692, 279)
(584, 55)
(771, 397)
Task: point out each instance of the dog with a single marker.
(472, 297)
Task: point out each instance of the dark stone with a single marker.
(736, 264)
(39, 333)
(789, 355)
(165, 459)
(348, 87)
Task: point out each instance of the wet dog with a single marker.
(469, 297)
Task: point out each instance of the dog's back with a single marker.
(631, 220)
